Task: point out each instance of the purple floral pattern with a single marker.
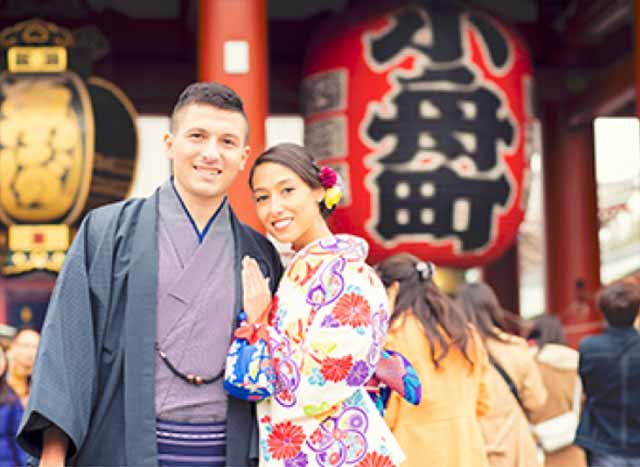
(359, 374)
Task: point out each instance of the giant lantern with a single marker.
(68, 140)
(425, 111)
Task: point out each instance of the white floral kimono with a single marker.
(326, 335)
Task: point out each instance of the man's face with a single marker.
(208, 151)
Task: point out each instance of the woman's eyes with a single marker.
(288, 190)
(260, 199)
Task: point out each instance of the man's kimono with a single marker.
(94, 375)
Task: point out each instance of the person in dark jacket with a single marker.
(10, 414)
(610, 370)
(130, 365)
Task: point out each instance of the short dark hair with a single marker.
(620, 303)
(299, 160)
(214, 94)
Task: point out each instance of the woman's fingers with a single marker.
(256, 291)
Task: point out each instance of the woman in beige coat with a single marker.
(559, 368)
(508, 440)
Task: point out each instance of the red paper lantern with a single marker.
(426, 112)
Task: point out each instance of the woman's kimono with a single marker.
(327, 328)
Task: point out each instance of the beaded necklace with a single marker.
(188, 378)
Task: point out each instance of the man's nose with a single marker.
(210, 152)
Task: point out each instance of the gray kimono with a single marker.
(94, 375)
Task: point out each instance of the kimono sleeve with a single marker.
(64, 378)
(337, 354)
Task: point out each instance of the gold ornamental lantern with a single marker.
(49, 141)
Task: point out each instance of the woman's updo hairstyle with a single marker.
(299, 160)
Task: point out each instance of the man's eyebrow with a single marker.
(195, 128)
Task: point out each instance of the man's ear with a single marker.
(245, 157)
(167, 139)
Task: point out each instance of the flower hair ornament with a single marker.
(329, 180)
(425, 270)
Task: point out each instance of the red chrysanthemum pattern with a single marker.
(375, 459)
(285, 440)
(336, 369)
(352, 309)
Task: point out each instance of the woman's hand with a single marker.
(256, 294)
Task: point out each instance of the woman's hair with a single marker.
(547, 329)
(481, 306)
(7, 395)
(299, 160)
(418, 293)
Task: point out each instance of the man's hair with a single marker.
(620, 303)
(214, 94)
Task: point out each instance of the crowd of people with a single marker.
(332, 361)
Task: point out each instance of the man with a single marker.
(134, 343)
(609, 366)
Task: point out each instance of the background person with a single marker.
(505, 427)
(449, 357)
(609, 366)
(22, 356)
(10, 413)
(558, 366)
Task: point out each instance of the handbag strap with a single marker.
(577, 396)
(507, 379)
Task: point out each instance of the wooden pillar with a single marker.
(236, 26)
(503, 275)
(572, 251)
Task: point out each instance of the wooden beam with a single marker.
(613, 90)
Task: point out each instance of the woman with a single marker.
(326, 328)
(558, 365)
(429, 329)
(10, 415)
(515, 381)
(22, 356)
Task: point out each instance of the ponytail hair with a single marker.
(440, 317)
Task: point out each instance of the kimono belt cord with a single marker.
(189, 378)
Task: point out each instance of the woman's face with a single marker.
(287, 206)
(22, 351)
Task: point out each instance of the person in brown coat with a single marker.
(516, 385)
(558, 365)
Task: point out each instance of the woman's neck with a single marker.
(19, 383)
(315, 232)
